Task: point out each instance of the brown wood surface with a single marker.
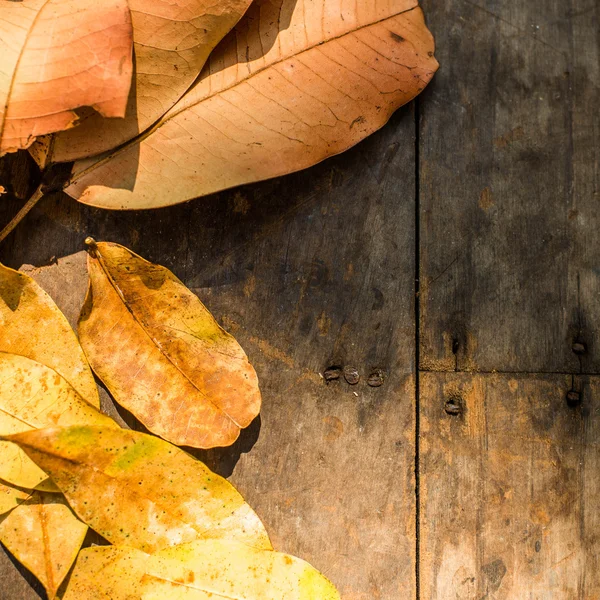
(509, 141)
(509, 187)
(510, 488)
(308, 272)
(317, 270)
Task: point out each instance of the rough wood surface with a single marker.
(509, 253)
(509, 187)
(510, 487)
(316, 270)
(308, 272)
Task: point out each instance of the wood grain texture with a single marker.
(510, 496)
(309, 271)
(509, 181)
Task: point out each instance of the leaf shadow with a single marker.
(219, 460)
(223, 460)
(269, 11)
(203, 241)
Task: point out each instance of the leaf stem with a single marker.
(35, 197)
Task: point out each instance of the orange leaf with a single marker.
(295, 83)
(56, 56)
(172, 41)
(162, 354)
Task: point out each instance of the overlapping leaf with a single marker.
(199, 570)
(294, 83)
(33, 396)
(138, 490)
(172, 41)
(161, 353)
(33, 326)
(10, 497)
(45, 536)
(56, 56)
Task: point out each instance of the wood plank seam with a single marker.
(417, 356)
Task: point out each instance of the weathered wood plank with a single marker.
(509, 183)
(309, 271)
(510, 496)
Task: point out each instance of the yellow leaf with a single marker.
(295, 83)
(33, 326)
(45, 536)
(56, 56)
(172, 41)
(33, 396)
(201, 570)
(138, 490)
(10, 497)
(161, 353)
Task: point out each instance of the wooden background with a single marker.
(457, 251)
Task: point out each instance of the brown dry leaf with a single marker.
(32, 396)
(56, 56)
(138, 490)
(10, 497)
(197, 571)
(161, 353)
(33, 326)
(295, 83)
(45, 536)
(172, 41)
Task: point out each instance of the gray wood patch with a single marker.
(509, 182)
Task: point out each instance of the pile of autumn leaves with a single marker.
(176, 529)
(161, 102)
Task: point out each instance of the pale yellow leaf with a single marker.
(295, 83)
(34, 396)
(10, 497)
(45, 536)
(172, 42)
(56, 56)
(202, 570)
(161, 353)
(136, 489)
(33, 326)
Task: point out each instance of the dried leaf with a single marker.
(10, 497)
(138, 490)
(33, 396)
(33, 326)
(295, 83)
(172, 42)
(45, 536)
(199, 571)
(56, 56)
(161, 353)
